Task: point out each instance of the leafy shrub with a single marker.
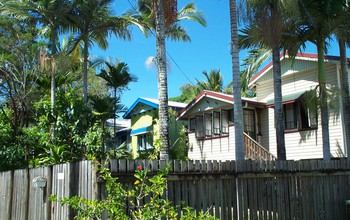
(157, 207)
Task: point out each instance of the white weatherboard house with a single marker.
(210, 116)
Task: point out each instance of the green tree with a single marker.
(51, 17)
(117, 77)
(188, 93)
(252, 63)
(214, 81)
(18, 71)
(92, 22)
(343, 37)
(268, 21)
(319, 19)
(163, 17)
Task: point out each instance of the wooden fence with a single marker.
(249, 190)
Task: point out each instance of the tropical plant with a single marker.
(319, 19)
(51, 17)
(236, 88)
(163, 17)
(117, 77)
(343, 37)
(145, 188)
(214, 81)
(252, 63)
(188, 93)
(92, 21)
(270, 26)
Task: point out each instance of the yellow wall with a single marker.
(147, 119)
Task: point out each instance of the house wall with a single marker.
(149, 118)
(212, 148)
(303, 144)
(138, 121)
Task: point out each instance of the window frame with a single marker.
(304, 119)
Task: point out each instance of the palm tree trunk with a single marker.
(236, 86)
(53, 68)
(162, 79)
(345, 90)
(115, 118)
(277, 85)
(323, 100)
(86, 56)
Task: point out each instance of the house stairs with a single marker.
(255, 151)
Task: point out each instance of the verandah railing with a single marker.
(255, 151)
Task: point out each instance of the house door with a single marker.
(249, 122)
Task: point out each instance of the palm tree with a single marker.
(117, 77)
(51, 16)
(319, 19)
(236, 88)
(163, 17)
(252, 63)
(268, 22)
(92, 22)
(214, 81)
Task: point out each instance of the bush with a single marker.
(114, 204)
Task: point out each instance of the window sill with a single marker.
(299, 130)
(213, 137)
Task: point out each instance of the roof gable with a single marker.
(144, 104)
(207, 100)
(303, 61)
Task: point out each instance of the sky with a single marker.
(209, 49)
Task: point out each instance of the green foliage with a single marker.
(153, 188)
(188, 93)
(179, 150)
(93, 141)
(12, 154)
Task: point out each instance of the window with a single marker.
(208, 124)
(216, 123)
(249, 122)
(192, 124)
(297, 116)
(144, 142)
(226, 119)
(211, 123)
(199, 126)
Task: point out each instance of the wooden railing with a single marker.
(254, 151)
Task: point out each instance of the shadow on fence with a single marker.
(311, 189)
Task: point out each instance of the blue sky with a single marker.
(209, 49)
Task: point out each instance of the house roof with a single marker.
(299, 56)
(217, 96)
(153, 103)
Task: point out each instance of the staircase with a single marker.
(254, 151)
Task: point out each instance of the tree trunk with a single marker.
(345, 96)
(162, 79)
(115, 118)
(323, 101)
(236, 86)
(277, 86)
(53, 68)
(86, 61)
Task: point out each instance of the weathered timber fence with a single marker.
(249, 190)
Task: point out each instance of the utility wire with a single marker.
(171, 58)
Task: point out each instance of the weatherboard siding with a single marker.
(212, 148)
(264, 138)
(296, 82)
(303, 144)
(308, 144)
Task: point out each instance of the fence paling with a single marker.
(258, 190)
